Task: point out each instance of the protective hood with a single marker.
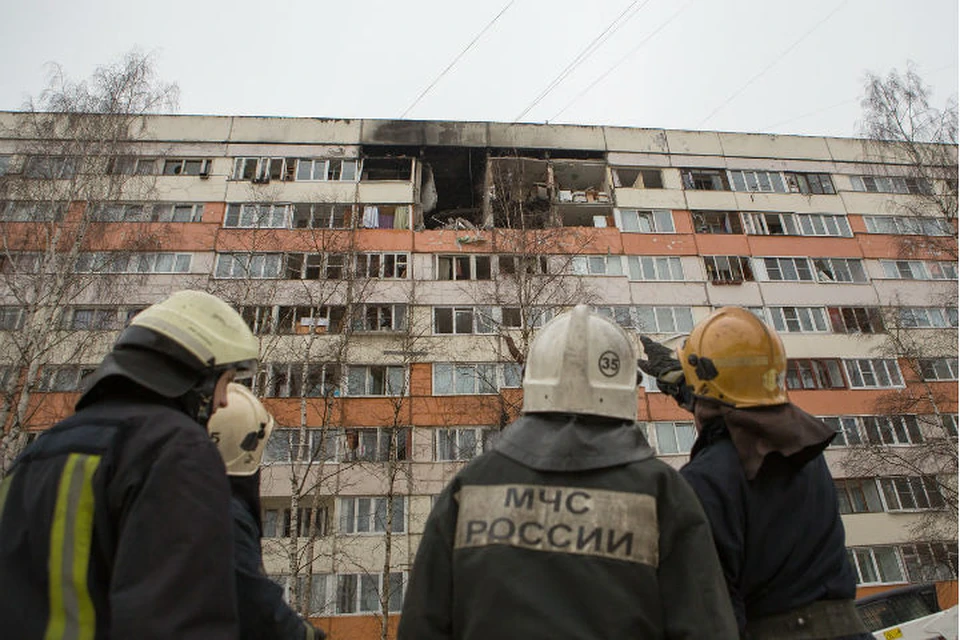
(571, 442)
(759, 431)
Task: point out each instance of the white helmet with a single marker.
(207, 327)
(581, 362)
(179, 348)
(241, 431)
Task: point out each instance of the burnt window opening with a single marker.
(637, 178)
(387, 169)
(451, 185)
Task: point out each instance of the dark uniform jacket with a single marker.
(115, 523)
(568, 529)
(779, 537)
(264, 615)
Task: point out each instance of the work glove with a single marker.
(664, 367)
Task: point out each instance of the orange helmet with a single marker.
(734, 357)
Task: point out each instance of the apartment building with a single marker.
(395, 272)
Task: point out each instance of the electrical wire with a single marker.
(587, 51)
(457, 59)
(620, 62)
(772, 64)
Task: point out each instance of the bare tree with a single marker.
(899, 123)
(65, 179)
(899, 120)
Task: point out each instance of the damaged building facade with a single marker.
(395, 272)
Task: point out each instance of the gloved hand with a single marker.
(660, 363)
(664, 367)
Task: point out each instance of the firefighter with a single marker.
(241, 431)
(570, 527)
(758, 468)
(115, 523)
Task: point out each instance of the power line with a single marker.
(455, 60)
(621, 61)
(772, 63)
(589, 50)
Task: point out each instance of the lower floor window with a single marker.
(360, 593)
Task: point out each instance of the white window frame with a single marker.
(366, 515)
(596, 265)
(907, 225)
(387, 317)
(328, 170)
(741, 266)
(137, 262)
(662, 319)
(918, 270)
(800, 182)
(644, 220)
(63, 378)
(242, 265)
(929, 317)
(372, 444)
(383, 266)
(673, 437)
(281, 379)
(459, 444)
(878, 370)
(910, 493)
(365, 593)
(103, 319)
(871, 570)
(285, 446)
(839, 270)
(278, 522)
(185, 167)
(472, 262)
(470, 378)
(892, 431)
(12, 317)
(257, 215)
(482, 320)
(799, 319)
(394, 379)
(890, 184)
(789, 269)
(938, 369)
(177, 212)
(849, 430)
(661, 268)
(753, 181)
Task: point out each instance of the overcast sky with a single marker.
(733, 65)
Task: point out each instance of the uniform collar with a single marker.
(573, 442)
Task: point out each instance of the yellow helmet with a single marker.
(241, 430)
(734, 357)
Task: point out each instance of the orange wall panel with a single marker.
(385, 240)
(356, 627)
(722, 244)
(797, 246)
(658, 244)
(307, 240)
(443, 411)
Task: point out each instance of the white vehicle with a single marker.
(909, 613)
